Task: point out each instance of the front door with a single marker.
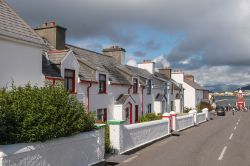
(129, 113)
(136, 114)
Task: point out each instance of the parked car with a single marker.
(220, 111)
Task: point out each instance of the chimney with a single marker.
(189, 77)
(116, 52)
(147, 65)
(166, 72)
(53, 33)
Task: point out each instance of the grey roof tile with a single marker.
(48, 69)
(123, 98)
(193, 84)
(91, 61)
(12, 25)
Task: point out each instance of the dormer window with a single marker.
(102, 83)
(135, 85)
(149, 86)
(69, 80)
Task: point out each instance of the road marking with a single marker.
(129, 159)
(222, 153)
(231, 136)
(237, 123)
(235, 128)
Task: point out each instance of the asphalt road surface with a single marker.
(224, 141)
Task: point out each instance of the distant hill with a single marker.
(222, 87)
(246, 87)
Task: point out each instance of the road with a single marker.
(223, 141)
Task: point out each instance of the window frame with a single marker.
(102, 90)
(103, 115)
(149, 87)
(66, 78)
(135, 88)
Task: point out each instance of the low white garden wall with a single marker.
(124, 138)
(80, 150)
(201, 117)
(183, 122)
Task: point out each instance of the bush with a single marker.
(29, 114)
(149, 117)
(107, 140)
(186, 110)
(203, 105)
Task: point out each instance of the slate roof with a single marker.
(57, 56)
(159, 97)
(48, 69)
(12, 25)
(193, 84)
(143, 74)
(91, 61)
(123, 98)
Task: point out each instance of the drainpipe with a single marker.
(88, 88)
(129, 89)
(142, 100)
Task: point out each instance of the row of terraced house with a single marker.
(102, 81)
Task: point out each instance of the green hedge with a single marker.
(149, 117)
(29, 114)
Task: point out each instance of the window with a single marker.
(69, 80)
(102, 83)
(101, 115)
(149, 108)
(149, 86)
(135, 85)
(136, 114)
(172, 89)
(172, 106)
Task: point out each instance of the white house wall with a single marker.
(21, 63)
(189, 96)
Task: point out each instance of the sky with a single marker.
(209, 39)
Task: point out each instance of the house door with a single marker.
(136, 114)
(129, 113)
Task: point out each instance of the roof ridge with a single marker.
(14, 14)
(89, 50)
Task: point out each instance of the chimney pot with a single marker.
(45, 24)
(52, 23)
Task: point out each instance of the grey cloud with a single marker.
(152, 44)
(139, 53)
(215, 33)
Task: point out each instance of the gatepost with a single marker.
(168, 117)
(194, 113)
(205, 110)
(116, 135)
(173, 117)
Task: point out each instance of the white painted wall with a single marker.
(79, 150)
(21, 63)
(136, 135)
(70, 62)
(157, 107)
(201, 117)
(183, 122)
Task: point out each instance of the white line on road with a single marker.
(231, 136)
(129, 159)
(222, 153)
(235, 128)
(237, 123)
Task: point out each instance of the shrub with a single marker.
(203, 105)
(29, 114)
(186, 110)
(149, 117)
(107, 140)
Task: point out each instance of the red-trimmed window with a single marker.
(101, 115)
(102, 83)
(69, 80)
(135, 85)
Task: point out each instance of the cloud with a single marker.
(161, 62)
(132, 62)
(215, 34)
(139, 53)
